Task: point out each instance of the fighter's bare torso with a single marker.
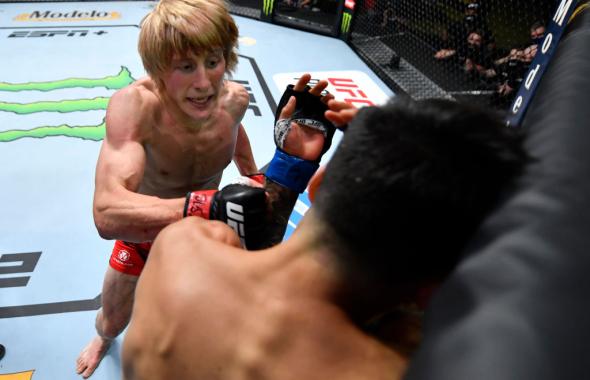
(258, 317)
(181, 155)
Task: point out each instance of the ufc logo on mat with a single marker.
(353, 93)
(235, 219)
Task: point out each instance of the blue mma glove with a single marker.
(290, 171)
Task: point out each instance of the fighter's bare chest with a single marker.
(189, 156)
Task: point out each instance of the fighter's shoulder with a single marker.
(236, 94)
(141, 93)
(197, 232)
(131, 110)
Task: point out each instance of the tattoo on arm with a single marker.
(281, 201)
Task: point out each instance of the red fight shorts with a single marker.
(129, 258)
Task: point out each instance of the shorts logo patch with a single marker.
(123, 255)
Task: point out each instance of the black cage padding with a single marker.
(517, 306)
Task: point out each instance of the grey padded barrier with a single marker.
(518, 306)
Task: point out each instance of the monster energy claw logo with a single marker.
(268, 7)
(86, 132)
(345, 26)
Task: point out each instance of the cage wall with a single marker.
(469, 50)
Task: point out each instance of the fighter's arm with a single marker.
(243, 157)
(236, 104)
(299, 150)
(178, 272)
(305, 143)
(119, 211)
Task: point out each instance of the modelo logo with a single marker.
(533, 73)
(68, 16)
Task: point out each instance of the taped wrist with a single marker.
(252, 180)
(198, 203)
(290, 171)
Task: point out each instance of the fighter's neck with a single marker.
(354, 292)
(301, 269)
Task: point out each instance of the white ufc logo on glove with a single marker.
(235, 219)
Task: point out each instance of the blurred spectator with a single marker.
(391, 19)
(529, 54)
(512, 73)
(309, 4)
(478, 63)
(454, 40)
(288, 4)
(293, 5)
(537, 32)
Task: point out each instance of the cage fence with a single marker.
(469, 50)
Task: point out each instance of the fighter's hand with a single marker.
(241, 205)
(340, 113)
(300, 121)
(303, 141)
(302, 134)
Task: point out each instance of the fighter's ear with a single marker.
(315, 182)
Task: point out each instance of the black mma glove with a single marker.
(242, 207)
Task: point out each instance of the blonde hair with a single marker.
(186, 27)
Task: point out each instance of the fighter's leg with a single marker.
(117, 303)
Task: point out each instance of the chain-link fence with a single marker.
(470, 50)
(246, 8)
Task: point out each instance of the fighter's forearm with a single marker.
(245, 164)
(135, 217)
(281, 203)
(243, 156)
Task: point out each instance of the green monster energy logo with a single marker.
(59, 106)
(346, 19)
(268, 7)
(89, 132)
